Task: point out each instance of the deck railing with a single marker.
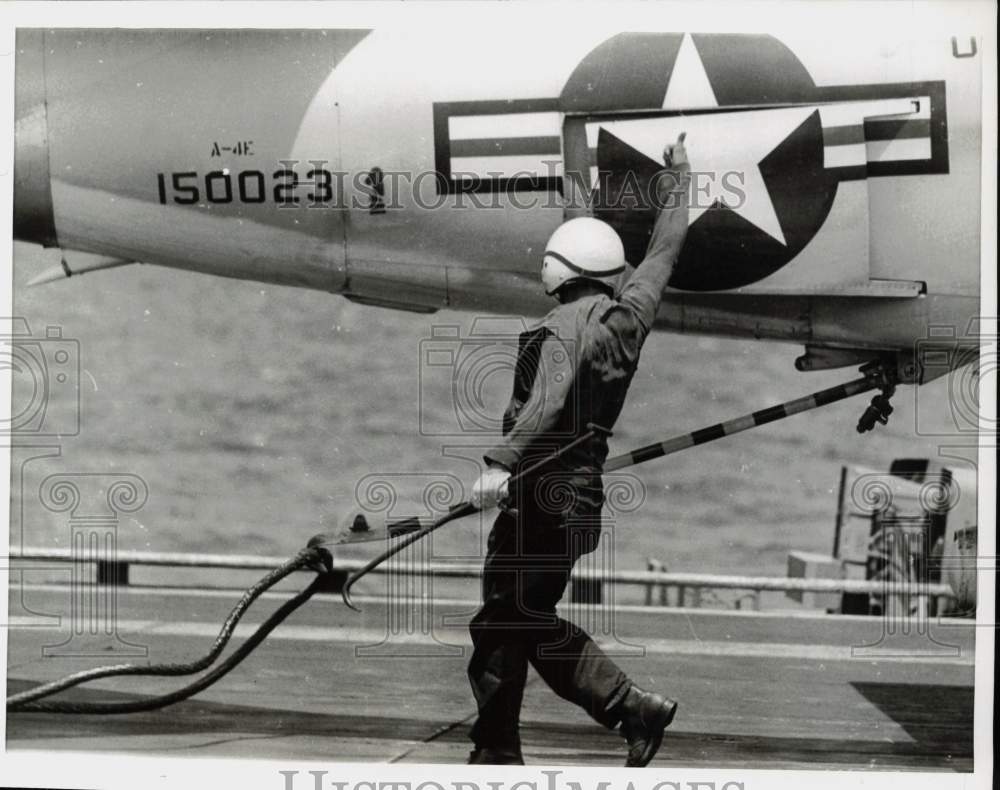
(587, 585)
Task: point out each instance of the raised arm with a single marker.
(642, 293)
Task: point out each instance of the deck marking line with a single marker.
(680, 647)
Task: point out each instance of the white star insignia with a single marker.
(718, 144)
(689, 88)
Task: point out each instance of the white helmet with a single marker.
(582, 248)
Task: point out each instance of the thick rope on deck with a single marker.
(313, 557)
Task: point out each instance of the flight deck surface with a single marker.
(760, 690)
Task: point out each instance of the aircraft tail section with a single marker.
(33, 215)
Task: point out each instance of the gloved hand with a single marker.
(675, 154)
(491, 488)
(674, 178)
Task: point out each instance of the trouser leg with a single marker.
(499, 664)
(525, 575)
(578, 670)
(563, 654)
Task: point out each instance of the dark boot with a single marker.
(644, 717)
(486, 756)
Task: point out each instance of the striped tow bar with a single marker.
(762, 417)
(875, 377)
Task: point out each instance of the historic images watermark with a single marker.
(966, 356)
(315, 184)
(920, 519)
(419, 589)
(902, 553)
(93, 505)
(551, 779)
(45, 415)
(45, 383)
(465, 379)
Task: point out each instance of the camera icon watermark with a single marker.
(465, 379)
(45, 382)
(966, 356)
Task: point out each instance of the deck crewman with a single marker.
(550, 519)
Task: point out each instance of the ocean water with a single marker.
(258, 415)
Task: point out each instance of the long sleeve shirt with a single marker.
(575, 366)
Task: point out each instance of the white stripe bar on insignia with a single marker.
(524, 124)
(505, 145)
(506, 166)
(898, 150)
(904, 149)
(844, 131)
(854, 113)
(844, 155)
(923, 113)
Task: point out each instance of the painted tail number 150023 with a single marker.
(246, 186)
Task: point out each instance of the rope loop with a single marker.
(312, 557)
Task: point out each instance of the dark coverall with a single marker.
(574, 367)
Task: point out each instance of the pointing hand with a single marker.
(674, 154)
